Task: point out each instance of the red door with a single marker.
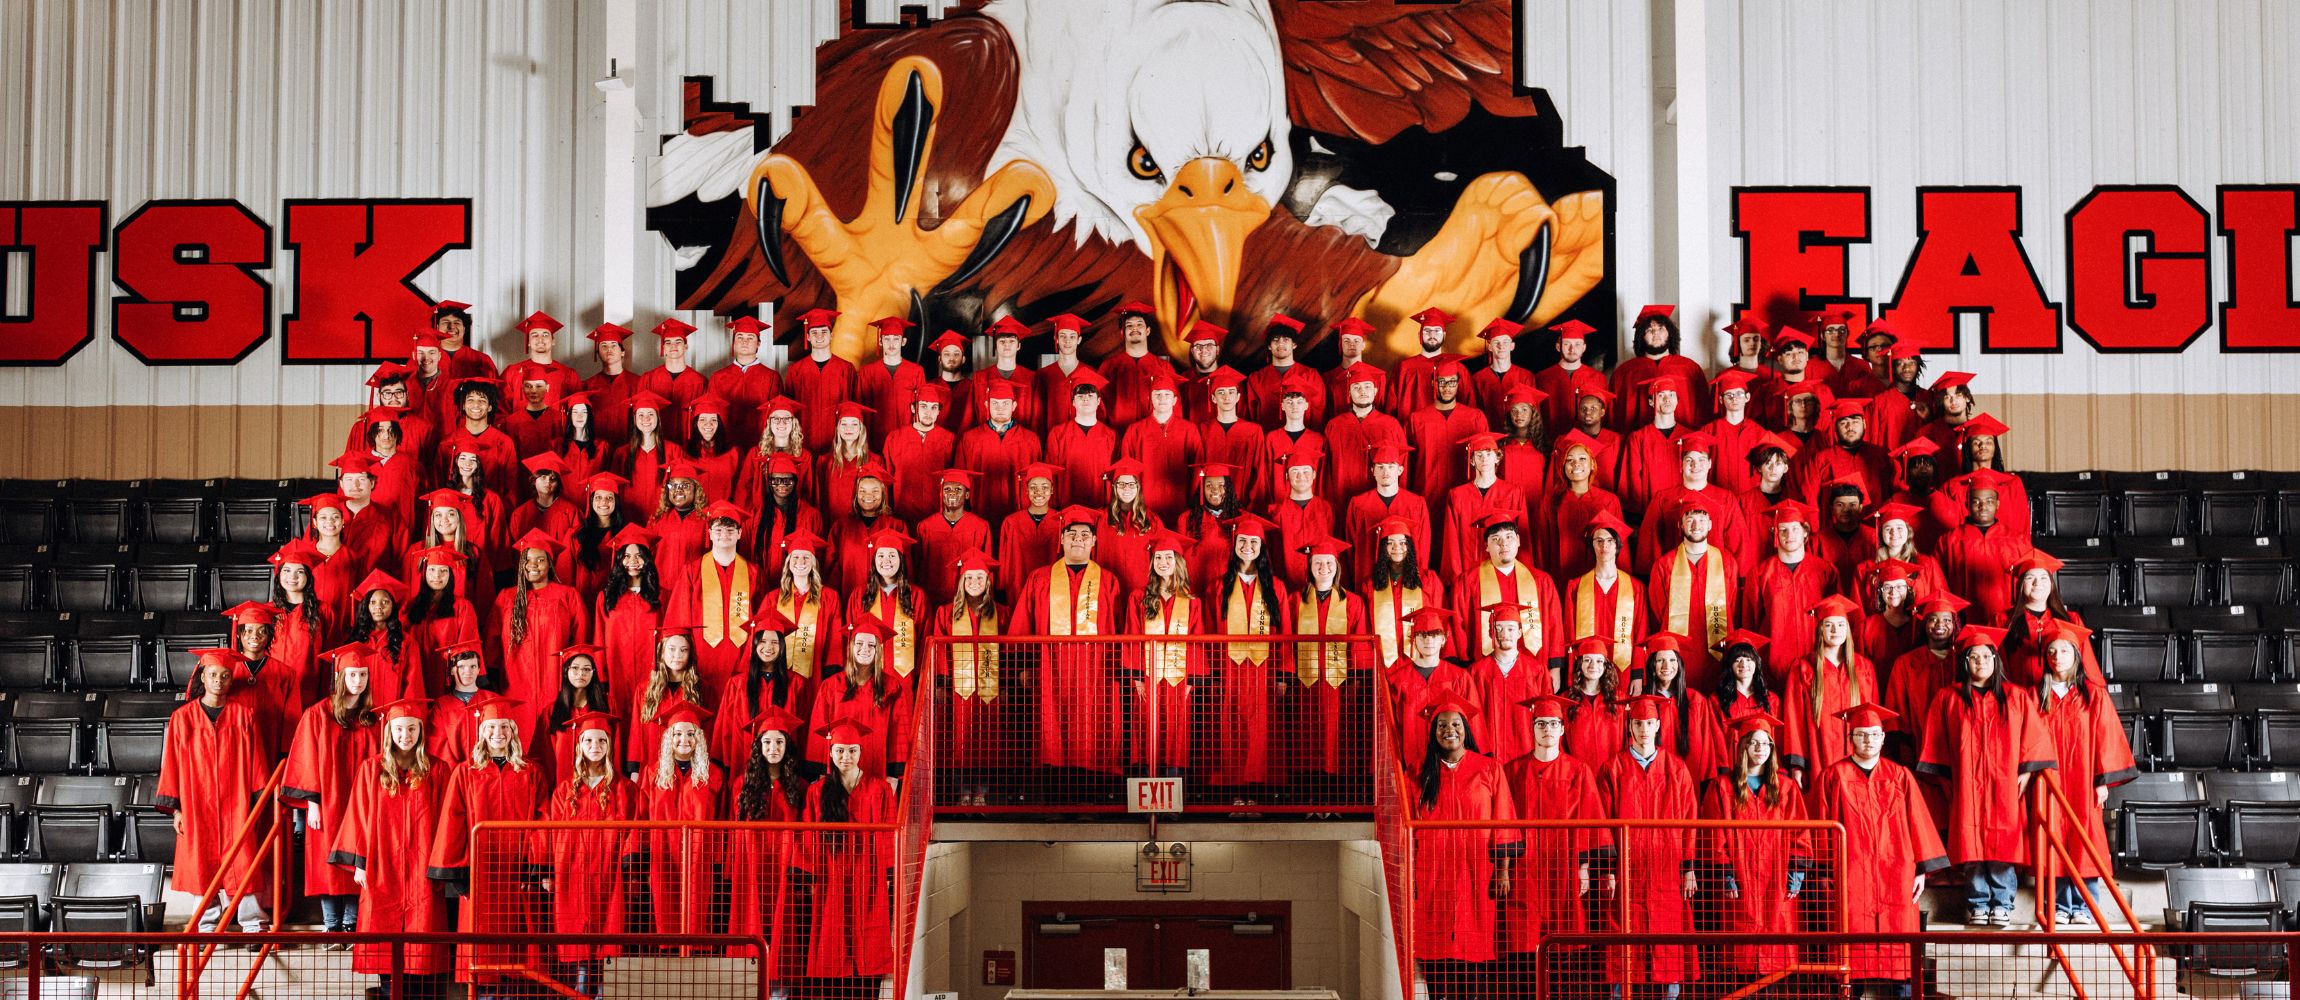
(1064, 942)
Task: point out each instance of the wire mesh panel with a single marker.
(1268, 724)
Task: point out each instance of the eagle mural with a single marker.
(1224, 160)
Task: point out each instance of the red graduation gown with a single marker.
(676, 861)
(556, 619)
(1262, 394)
(1774, 600)
(1734, 443)
(1300, 522)
(586, 862)
(627, 634)
(680, 387)
(320, 763)
(533, 432)
(1947, 504)
(887, 746)
(388, 835)
(1490, 389)
(1323, 676)
(940, 543)
(1545, 894)
(980, 736)
(681, 537)
(1647, 466)
(1505, 729)
(1978, 563)
(1438, 464)
(1166, 451)
(1594, 731)
(1124, 549)
(735, 729)
(745, 390)
(1410, 691)
(1026, 542)
(1163, 676)
(1245, 673)
(1980, 749)
(1240, 443)
(1454, 917)
(1084, 453)
(1758, 861)
(887, 391)
(1368, 510)
(1652, 863)
(610, 399)
(1080, 717)
(819, 387)
(1279, 444)
(853, 926)
(1691, 607)
(1627, 384)
(1813, 740)
(2090, 753)
(1029, 410)
(494, 869)
(643, 470)
(1349, 441)
(1463, 542)
(722, 639)
(1127, 398)
(1910, 685)
(995, 458)
(1413, 386)
(451, 732)
(763, 898)
(1560, 387)
(210, 774)
(1563, 550)
(917, 491)
(1814, 468)
(1889, 841)
(1695, 732)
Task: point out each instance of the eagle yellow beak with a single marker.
(1198, 231)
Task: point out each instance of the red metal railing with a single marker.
(1270, 725)
(2049, 855)
(267, 851)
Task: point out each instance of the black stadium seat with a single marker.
(175, 511)
(2154, 513)
(2131, 656)
(2223, 787)
(121, 897)
(115, 793)
(248, 513)
(151, 836)
(132, 730)
(2227, 657)
(2275, 738)
(84, 587)
(2073, 514)
(108, 663)
(73, 834)
(20, 586)
(2198, 740)
(2087, 581)
(236, 583)
(167, 586)
(28, 662)
(2166, 572)
(27, 520)
(174, 667)
(2162, 835)
(97, 513)
(2261, 834)
(48, 732)
(2279, 696)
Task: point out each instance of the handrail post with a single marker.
(398, 970)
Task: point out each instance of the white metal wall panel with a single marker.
(2054, 97)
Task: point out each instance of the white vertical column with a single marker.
(1697, 204)
(619, 152)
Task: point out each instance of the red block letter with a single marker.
(1793, 244)
(356, 262)
(2262, 312)
(1969, 259)
(62, 240)
(2168, 300)
(189, 271)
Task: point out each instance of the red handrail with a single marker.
(2049, 856)
(191, 964)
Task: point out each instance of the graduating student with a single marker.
(1501, 376)
(865, 690)
(1644, 780)
(1032, 536)
(917, 446)
(812, 645)
(591, 560)
(1125, 524)
(765, 685)
(1272, 382)
(1292, 442)
(782, 513)
(781, 450)
(1468, 503)
(950, 532)
(2036, 609)
(376, 622)
(1734, 430)
(1778, 593)
(213, 763)
(887, 594)
(1501, 577)
(717, 593)
(681, 784)
(678, 384)
(763, 897)
(997, 449)
(2092, 756)
(1848, 455)
(451, 727)
(545, 510)
(1791, 375)
(642, 459)
(1167, 444)
(1655, 340)
(847, 460)
(1547, 783)
(1923, 672)
(1504, 679)
(980, 743)
(1232, 440)
(1741, 687)
(397, 797)
(1397, 585)
(1691, 588)
(330, 740)
(1170, 671)
(1086, 446)
(949, 352)
(1355, 430)
(1006, 335)
(1437, 433)
(1692, 728)
(584, 861)
(1897, 525)
(1389, 500)
(853, 934)
(274, 687)
(820, 380)
(1323, 671)
(1301, 515)
(1830, 677)
(612, 386)
(1572, 502)
(1648, 462)
(582, 689)
(1350, 335)
(1607, 602)
(1983, 741)
(1589, 420)
(1563, 383)
(1247, 600)
(1420, 679)
(495, 784)
(1978, 557)
(535, 620)
(1879, 803)
(745, 382)
(673, 678)
(1524, 441)
(1891, 628)
(1979, 445)
(712, 448)
(1132, 367)
(1761, 871)
(628, 611)
(1080, 718)
(1460, 876)
(887, 388)
(1414, 381)
(1595, 719)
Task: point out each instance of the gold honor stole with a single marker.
(1713, 593)
(902, 650)
(726, 612)
(1168, 662)
(1390, 607)
(1624, 631)
(1077, 613)
(1528, 595)
(974, 665)
(1327, 661)
(800, 644)
(1247, 615)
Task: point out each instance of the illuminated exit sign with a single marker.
(1154, 795)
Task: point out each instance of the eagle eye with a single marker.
(1259, 159)
(1140, 163)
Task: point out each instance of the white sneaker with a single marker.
(2001, 916)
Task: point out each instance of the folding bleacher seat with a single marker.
(132, 730)
(2275, 738)
(2280, 696)
(248, 512)
(238, 578)
(2247, 570)
(28, 663)
(71, 834)
(84, 587)
(27, 513)
(2153, 513)
(2156, 836)
(2227, 656)
(108, 663)
(2090, 581)
(168, 578)
(2191, 740)
(113, 792)
(18, 793)
(2073, 513)
(20, 586)
(48, 731)
(2166, 572)
(2135, 655)
(2233, 900)
(98, 512)
(2231, 503)
(2259, 815)
(2158, 786)
(2223, 787)
(121, 897)
(151, 836)
(175, 511)
(25, 890)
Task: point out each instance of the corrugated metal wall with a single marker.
(2053, 96)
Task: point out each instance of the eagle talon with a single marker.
(770, 213)
(995, 233)
(913, 122)
(1532, 276)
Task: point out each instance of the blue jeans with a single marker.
(339, 913)
(2066, 900)
(1990, 885)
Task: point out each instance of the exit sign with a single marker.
(1154, 795)
(1162, 867)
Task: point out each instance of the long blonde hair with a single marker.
(1845, 656)
(516, 760)
(414, 764)
(667, 760)
(659, 681)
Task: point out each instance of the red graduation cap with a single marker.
(1303, 456)
(1298, 381)
(1589, 645)
(1747, 324)
(1523, 394)
(389, 371)
(1850, 482)
(1896, 571)
(1086, 380)
(957, 477)
(782, 463)
(802, 540)
(1282, 325)
(490, 707)
(767, 619)
(474, 648)
(580, 397)
(609, 333)
(680, 468)
(709, 403)
(2056, 630)
(1074, 515)
(1351, 326)
(646, 399)
(1649, 706)
(1572, 439)
(1745, 637)
(1731, 379)
(1652, 312)
(1432, 316)
(441, 555)
(1906, 513)
(1940, 603)
(325, 501)
(2036, 561)
(1689, 502)
(976, 559)
(1982, 424)
(1138, 307)
(1774, 439)
(1426, 620)
(777, 719)
(1481, 441)
(1917, 446)
(780, 404)
(1573, 329)
(1008, 326)
(605, 482)
(852, 410)
(677, 709)
(591, 650)
(1898, 350)
(538, 540)
(1849, 409)
(1757, 722)
(1582, 392)
(1980, 635)
(1984, 479)
(350, 655)
(1788, 337)
(1665, 642)
(252, 613)
(1504, 610)
(1496, 519)
(1868, 716)
(377, 579)
(1123, 468)
(1038, 470)
(721, 510)
(540, 322)
(1328, 546)
(1204, 332)
(1659, 384)
(1163, 379)
(1169, 541)
(585, 722)
(1548, 706)
(629, 535)
(1695, 441)
(450, 306)
(545, 461)
(1359, 371)
(427, 337)
(1834, 606)
(1501, 327)
(889, 538)
(1951, 380)
(1449, 700)
(1224, 377)
(949, 339)
(1792, 511)
(892, 326)
(673, 328)
(1215, 470)
(846, 730)
(1608, 521)
(749, 324)
(1249, 525)
(668, 630)
(998, 388)
(1387, 454)
(418, 709)
(931, 392)
(869, 624)
(818, 318)
(1448, 366)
